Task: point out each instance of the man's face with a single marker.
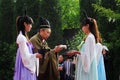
(45, 33)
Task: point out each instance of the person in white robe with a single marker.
(87, 64)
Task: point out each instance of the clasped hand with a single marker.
(59, 48)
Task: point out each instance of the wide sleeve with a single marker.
(98, 51)
(28, 59)
(88, 53)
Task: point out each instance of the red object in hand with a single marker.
(72, 52)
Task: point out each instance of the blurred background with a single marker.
(65, 17)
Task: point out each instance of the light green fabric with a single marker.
(81, 74)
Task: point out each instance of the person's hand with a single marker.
(75, 59)
(57, 49)
(73, 52)
(38, 55)
(60, 68)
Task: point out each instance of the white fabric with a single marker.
(37, 66)
(88, 54)
(99, 48)
(29, 60)
(68, 68)
(105, 47)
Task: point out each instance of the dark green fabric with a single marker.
(48, 67)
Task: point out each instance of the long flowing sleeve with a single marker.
(87, 54)
(28, 59)
(98, 51)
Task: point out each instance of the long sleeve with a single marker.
(88, 54)
(98, 51)
(28, 59)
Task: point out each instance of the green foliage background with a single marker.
(63, 15)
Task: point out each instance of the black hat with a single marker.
(43, 23)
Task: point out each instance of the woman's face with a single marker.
(85, 28)
(45, 33)
(27, 27)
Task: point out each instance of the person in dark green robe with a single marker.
(48, 65)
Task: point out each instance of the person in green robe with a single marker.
(48, 65)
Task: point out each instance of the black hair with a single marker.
(86, 20)
(43, 23)
(20, 23)
(92, 26)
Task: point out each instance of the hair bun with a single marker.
(44, 23)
